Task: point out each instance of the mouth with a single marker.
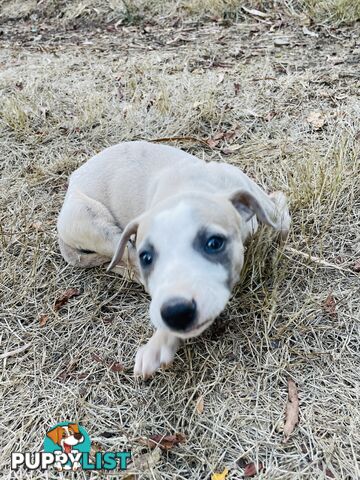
(193, 331)
(67, 448)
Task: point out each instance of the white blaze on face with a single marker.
(181, 271)
(69, 439)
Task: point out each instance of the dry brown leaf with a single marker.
(329, 473)
(292, 410)
(220, 476)
(43, 320)
(112, 364)
(130, 476)
(251, 469)
(116, 367)
(316, 120)
(330, 306)
(65, 297)
(200, 404)
(215, 139)
(356, 266)
(165, 442)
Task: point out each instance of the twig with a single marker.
(11, 353)
(318, 260)
(174, 139)
(263, 78)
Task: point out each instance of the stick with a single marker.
(11, 353)
(318, 260)
(174, 139)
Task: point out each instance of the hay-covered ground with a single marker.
(276, 94)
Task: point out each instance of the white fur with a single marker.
(166, 196)
(180, 271)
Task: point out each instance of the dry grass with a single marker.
(68, 95)
(74, 13)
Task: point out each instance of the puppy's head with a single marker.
(66, 436)
(190, 253)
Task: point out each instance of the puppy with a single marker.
(177, 223)
(66, 437)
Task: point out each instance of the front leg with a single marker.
(159, 351)
(281, 215)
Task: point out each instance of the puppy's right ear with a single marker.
(55, 435)
(130, 229)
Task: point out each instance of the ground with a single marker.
(275, 93)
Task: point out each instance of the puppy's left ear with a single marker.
(74, 427)
(129, 230)
(248, 205)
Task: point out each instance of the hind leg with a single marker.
(88, 234)
(80, 258)
(85, 224)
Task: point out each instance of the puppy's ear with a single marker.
(74, 427)
(248, 205)
(130, 229)
(55, 435)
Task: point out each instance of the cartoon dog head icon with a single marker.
(66, 436)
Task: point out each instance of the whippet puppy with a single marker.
(178, 223)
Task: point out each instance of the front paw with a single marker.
(158, 352)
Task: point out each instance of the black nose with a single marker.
(78, 436)
(179, 313)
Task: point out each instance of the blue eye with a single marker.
(215, 244)
(146, 258)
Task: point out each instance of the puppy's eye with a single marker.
(215, 244)
(146, 258)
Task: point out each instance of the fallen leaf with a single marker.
(65, 297)
(329, 473)
(330, 306)
(200, 405)
(129, 476)
(43, 319)
(292, 410)
(112, 364)
(165, 442)
(316, 120)
(215, 139)
(256, 13)
(356, 266)
(220, 476)
(251, 469)
(116, 367)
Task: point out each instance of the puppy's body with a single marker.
(177, 205)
